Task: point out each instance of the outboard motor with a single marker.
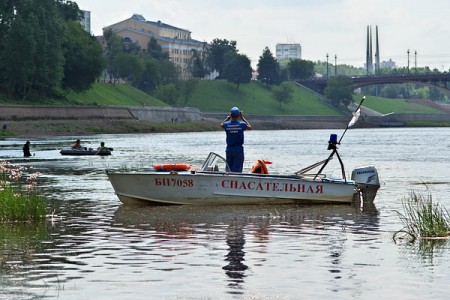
(367, 181)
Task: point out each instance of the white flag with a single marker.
(355, 117)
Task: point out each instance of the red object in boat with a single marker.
(172, 167)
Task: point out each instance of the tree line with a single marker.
(45, 53)
(44, 50)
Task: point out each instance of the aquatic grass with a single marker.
(423, 218)
(19, 197)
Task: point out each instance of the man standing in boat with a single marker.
(235, 124)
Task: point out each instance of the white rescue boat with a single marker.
(214, 185)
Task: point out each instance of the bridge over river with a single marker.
(438, 80)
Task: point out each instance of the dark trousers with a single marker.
(235, 159)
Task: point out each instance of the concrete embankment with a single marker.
(26, 120)
(156, 114)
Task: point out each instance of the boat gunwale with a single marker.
(235, 174)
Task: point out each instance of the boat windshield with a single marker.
(215, 163)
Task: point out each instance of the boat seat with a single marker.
(214, 168)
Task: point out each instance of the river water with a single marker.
(92, 247)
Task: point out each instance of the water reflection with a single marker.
(427, 249)
(175, 219)
(235, 240)
(233, 226)
(94, 245)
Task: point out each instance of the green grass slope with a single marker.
(119, 94)
(254, 98)
(220, 96)
(400, 106)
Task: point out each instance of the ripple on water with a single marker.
(91, 245)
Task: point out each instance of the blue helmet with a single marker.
(235, 112)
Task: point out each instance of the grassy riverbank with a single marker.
(34, 128)
(253, 98)
(30, 128)
(219, 95)
(400, 106)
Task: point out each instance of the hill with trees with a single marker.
(46, 57)
(44, 52)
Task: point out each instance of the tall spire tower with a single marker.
(370, 67)
(369, 59)
(377, 52)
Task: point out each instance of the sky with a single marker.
(334, 27)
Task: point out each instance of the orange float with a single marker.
(260, 167)
(171, 167)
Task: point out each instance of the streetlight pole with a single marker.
(408, 60)
(327, 66)
(335, 65)
(415, 61)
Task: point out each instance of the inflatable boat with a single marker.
(85, 151)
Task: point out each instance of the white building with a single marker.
(390, 64)
(290, 51)
(86, 20)
(173, 40)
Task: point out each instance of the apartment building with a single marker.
(289, 51)
(173, 40)
(86, 20)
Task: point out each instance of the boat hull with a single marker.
(205, 188)
(84, 152)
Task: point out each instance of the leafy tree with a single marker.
(114, 46)
(390, 91)
(154, 50)
(18, 66)
(169, 72)
(167, 93)
(436, 94)
(300, 69)
(283, 93)
(49, 55)
(321, 68)
(268, 68)
(7, 8)
(189, 87)
(150, 78)
(32, 58)
(421, 93)
(238, 69)
(146, 71)
(217, 51)
(84, 60)
(340, 90)
(130, 66)
(44, 47)
(131, 47)
(69, 10)
(199, 69)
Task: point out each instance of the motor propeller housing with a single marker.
(367, 181)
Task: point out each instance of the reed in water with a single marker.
(19, 197)
(423, 218)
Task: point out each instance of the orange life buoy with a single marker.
(260, 167)
(172, 167)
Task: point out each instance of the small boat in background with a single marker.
(85, 151)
